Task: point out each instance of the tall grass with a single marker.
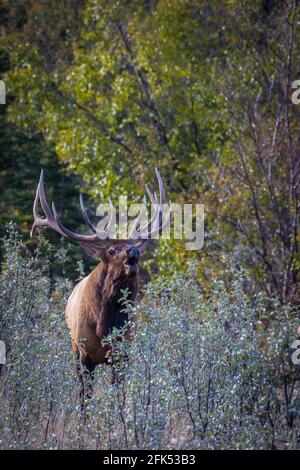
(201, 373)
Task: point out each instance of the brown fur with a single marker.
(94, 307)
(100, 301)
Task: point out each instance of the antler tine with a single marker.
(148, 225)
(40, 197)
(35, 212)
(102, 234)
(156, 231)
(138, 219)
(52, 220)
(152, 197)
(156, 223)
(43, 200)
(85, 215)
(162, 193)
(111, 218)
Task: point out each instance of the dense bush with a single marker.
(202, 372)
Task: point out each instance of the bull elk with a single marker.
(93, 308)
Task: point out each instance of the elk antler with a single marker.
(100, 238)
(52, 220)
(100, 233)
(156, 224)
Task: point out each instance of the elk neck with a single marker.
(102, 298)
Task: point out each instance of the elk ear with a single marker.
(143, 245)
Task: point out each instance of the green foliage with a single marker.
(36, 385)
(201, 89)
(126, 98)
(208, 374)
(23, 154)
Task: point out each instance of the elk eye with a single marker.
(111, 251)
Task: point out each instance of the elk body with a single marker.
(94, 308)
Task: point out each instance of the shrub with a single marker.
(201, 372)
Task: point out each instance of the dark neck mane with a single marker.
(101, 299)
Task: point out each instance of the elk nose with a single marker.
(132, 252)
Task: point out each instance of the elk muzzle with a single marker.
(131, 263)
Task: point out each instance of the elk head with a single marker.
(120, 255)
